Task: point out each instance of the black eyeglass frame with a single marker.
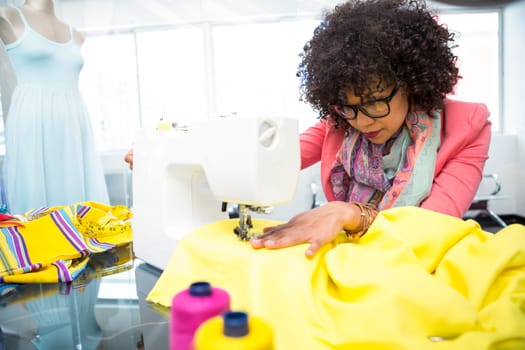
(339, 109)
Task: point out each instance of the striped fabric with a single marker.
(50, 245)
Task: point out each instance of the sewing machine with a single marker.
(185, 176)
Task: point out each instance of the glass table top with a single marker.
(104, 308)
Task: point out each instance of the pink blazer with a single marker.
(465, 140)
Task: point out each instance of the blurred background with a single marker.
(181, 60)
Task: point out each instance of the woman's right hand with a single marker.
(317, 226)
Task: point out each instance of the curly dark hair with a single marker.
(364, 42)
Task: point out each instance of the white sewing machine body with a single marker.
(182, 176)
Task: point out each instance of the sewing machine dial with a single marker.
(267, 133)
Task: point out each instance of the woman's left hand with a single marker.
(128, 158)
(317, 226)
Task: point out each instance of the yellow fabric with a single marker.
(54, 244)
(110, 223)
(417, 280)
(113, 261)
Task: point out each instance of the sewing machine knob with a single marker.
(267, 133)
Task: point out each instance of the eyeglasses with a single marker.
(374, 109)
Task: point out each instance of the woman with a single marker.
(378, 72)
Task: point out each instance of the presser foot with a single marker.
(243, 231)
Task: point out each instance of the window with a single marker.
(192, 72)
(479, 64)
(172, 75)
(209, 69)
(255, 66)
(109, 85)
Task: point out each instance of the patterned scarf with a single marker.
(397, 173)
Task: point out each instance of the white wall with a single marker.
(89, 14)
(504, 164)
(513, 98)
(507, 154)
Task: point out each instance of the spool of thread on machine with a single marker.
(190, 308)
(234, 330)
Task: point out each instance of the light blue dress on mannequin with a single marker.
(50, 152)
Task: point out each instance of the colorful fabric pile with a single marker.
(50, 245)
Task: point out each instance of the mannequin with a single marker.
(41, 15)
(50, 152)
(11, 28)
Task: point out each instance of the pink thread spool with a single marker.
(190, 308)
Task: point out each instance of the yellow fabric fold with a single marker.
(417, 280)
(48, 272)
(54, 244)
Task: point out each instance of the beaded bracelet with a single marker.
(366, 218)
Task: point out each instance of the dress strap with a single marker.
(71, 34)
(23, 17)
